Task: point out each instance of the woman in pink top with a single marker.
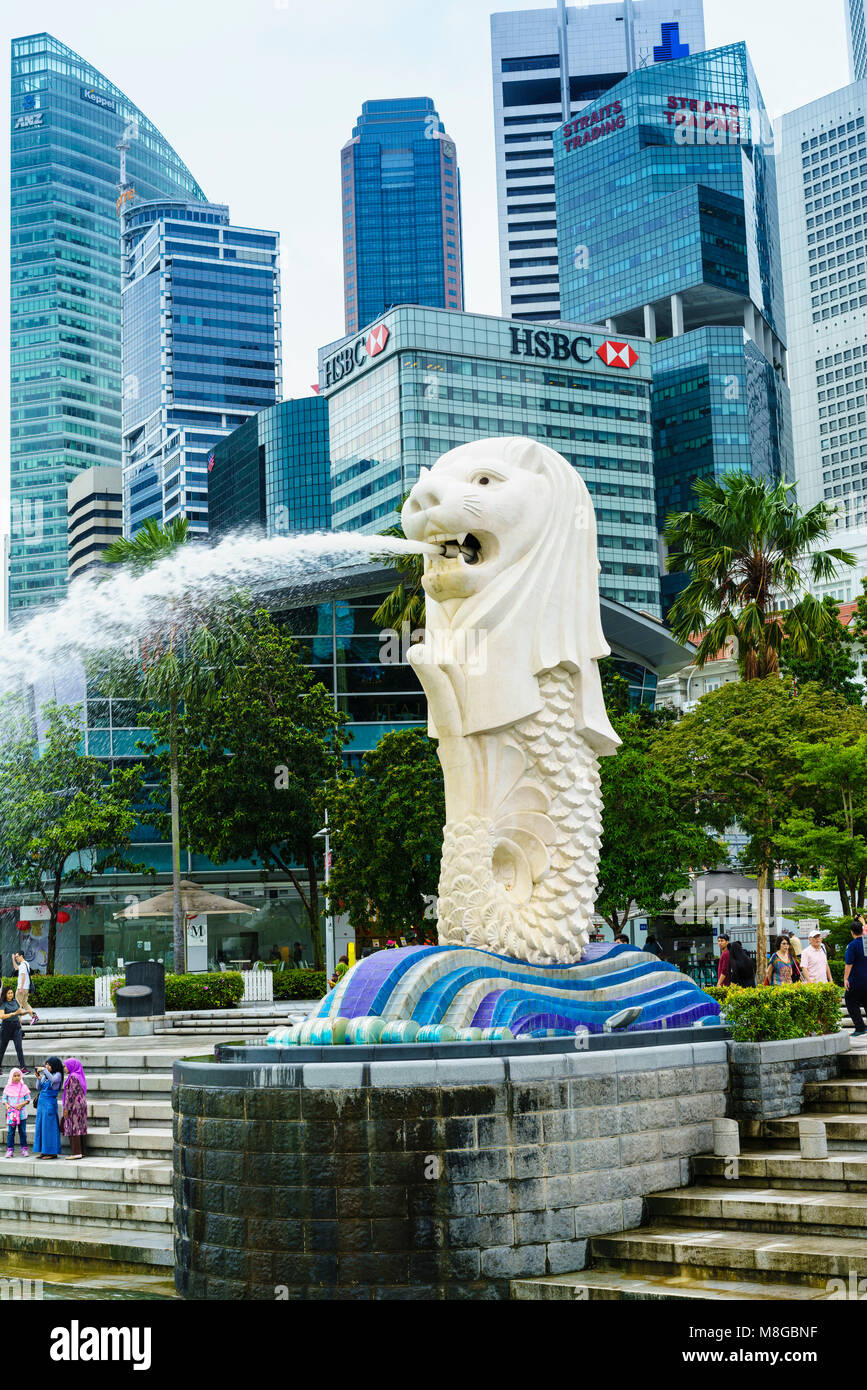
(814, 962)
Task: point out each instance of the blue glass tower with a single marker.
(67, 120)
(201, 349)
(273, 473)
(667, 210)
(401, 196)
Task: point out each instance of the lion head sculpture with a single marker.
(525, 581)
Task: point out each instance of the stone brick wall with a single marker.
(425, 1179)
(766, 1080)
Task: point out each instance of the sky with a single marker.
(258, 96)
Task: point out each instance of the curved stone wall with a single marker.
(425, 1179)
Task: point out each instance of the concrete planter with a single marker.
(425, 1179)
(767, 1079)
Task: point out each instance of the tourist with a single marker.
(741, 969)
(855, 977)
(16, 1098)
(23, 990)
(46, 1141)
(297, 955)
(794, 944)
(782, 968)
(653, 946)
(723, 970)
(74, 1120)
(621, 940)
(10, 1026)
(814, 961)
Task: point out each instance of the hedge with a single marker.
(837, 968)
(57, 991)
(299, 984)
(775, 1012)
(216, 989)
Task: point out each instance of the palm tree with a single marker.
(404, 606)
(174, 657)
(750, 553)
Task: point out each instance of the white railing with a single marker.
(258, 986)
(102, 990)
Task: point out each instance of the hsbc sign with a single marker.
(355, 355)
(552, 346)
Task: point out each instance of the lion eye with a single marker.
(482, 482)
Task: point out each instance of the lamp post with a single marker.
(330, 961)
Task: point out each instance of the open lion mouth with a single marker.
(467, 546)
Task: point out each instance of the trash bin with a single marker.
(151, 973)
(134, 1001)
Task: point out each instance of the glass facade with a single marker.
(273, 472)
(424, 381)
(667, 208)
(201, 349)
(65, 291)
(401, 194)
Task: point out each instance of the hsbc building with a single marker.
(420, 381)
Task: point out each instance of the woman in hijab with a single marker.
(46, 1141)
(74, 1121)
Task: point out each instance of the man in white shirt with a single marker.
(23, 989)
(815, 969)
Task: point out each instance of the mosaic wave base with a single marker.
(459, 993)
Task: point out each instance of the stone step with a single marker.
(98, 1241)
(151, 1113)
(824, 1096)
(608, 1284)
(129, 1085)
(718, 1251)
(846, 1171)
(774, 1209)
(69, 1206)
(131, 1173)
(141, 1142)
(842, 1130)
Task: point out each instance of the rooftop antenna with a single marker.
(563, 45)
(629, 27)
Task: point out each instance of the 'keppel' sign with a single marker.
(585, 129)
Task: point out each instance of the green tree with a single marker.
(750, 554)
(651, 836)
(174, 658)
(734, 758)
(387, 827)
(831, 664)
(829, 831)
(66, 817)
(255, 751)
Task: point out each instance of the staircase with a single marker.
(769, 1225)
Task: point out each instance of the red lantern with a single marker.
(63, 916)
(23, 926)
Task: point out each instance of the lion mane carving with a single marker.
(509, 665)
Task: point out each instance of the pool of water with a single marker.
(22, 1277)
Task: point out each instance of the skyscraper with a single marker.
(201, 349)
(667, 210)
(822, 172)
(857, 37)
(67, 120)
(547, 65)
(401, 192)
(272, 473)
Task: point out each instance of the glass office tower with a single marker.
(401, 192)
(422, 381)
(201, 350)
(857, 39)
(667, 209)
(67, 120)
(272, 473)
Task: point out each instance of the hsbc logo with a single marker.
(376, 340)
(355, 355)
(617, 354)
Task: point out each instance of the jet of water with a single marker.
(103, 611)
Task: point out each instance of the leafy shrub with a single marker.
(216, 989)
(58, 991)
(299, 984)
(837, 968)
(779, 1011)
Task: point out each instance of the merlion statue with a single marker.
(509, 666)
